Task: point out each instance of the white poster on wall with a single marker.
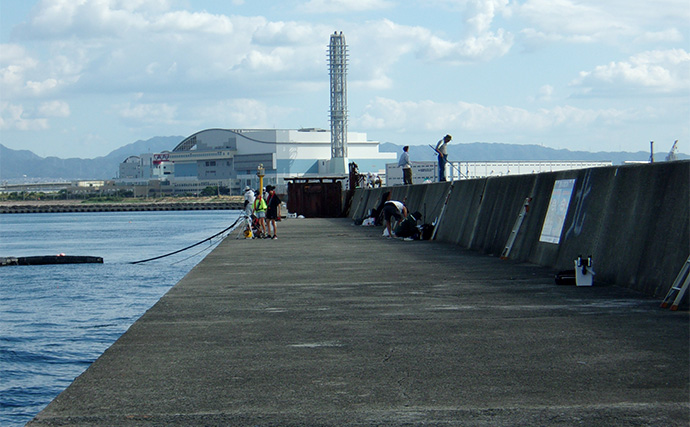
(558, 208)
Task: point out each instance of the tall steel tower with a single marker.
(337, 60)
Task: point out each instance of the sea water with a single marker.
(55, 320)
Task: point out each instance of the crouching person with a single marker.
(393, 210)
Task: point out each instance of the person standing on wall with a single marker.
(442, 150)
(404, 162)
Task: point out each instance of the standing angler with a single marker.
(442, 150)
(404, 162)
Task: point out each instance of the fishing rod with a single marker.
(451, 163)
(241, 217)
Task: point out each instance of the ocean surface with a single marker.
(55, 320)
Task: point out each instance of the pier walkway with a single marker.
(331, 324)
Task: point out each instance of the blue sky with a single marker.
(80, 78)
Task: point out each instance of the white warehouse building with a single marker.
(231, 157)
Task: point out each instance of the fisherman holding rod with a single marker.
(442, 150)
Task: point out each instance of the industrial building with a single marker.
(230, 158)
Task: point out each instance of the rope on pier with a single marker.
(237, 221)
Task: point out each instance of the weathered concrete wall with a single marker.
(634, 220)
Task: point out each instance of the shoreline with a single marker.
(169, 204)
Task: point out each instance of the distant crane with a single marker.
(671, 156)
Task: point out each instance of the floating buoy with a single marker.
(50, 259)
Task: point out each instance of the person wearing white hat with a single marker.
(248, 200)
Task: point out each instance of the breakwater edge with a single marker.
(69, 206)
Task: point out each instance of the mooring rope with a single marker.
(210, 246)
(241, 217)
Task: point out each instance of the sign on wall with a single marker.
(558, 209)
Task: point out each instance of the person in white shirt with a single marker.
(393, 209)
(248, 200)
(404, 162)
(442, 150)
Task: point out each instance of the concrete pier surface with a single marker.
(331, 324)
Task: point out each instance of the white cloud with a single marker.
(41, 88)
(54, 109)
(545, 93)
(381, 45)
(198, 22)
(22, 75)
(669, 35)
(15, 64)
(567, 18)
(115, 46)
(609, 22)
(14, 117)
(480, 41)
(652, 72)
(18, 117)
(266, 62)
(339, 6)
(482, 13)
(403, 116)
(14, 54)
(152, 114)
(242, 112)
(285, 33)
(51, 18)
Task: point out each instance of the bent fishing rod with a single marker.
(241, 217)
(451, 163)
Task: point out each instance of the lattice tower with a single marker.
(337, 60)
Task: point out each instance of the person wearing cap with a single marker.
(442, 150)
(260, 213)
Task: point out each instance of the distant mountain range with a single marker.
(25, 166)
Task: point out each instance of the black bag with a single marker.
(407, 228)
(565, 277)
(427, 231)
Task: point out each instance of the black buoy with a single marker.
(50, 259)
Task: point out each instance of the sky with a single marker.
(80, 78)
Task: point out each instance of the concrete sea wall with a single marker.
(634, 220)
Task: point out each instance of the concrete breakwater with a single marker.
(347, 328)
(116, 207)
(634, 220)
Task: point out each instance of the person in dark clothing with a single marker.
(377, 212)
(272, 211)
